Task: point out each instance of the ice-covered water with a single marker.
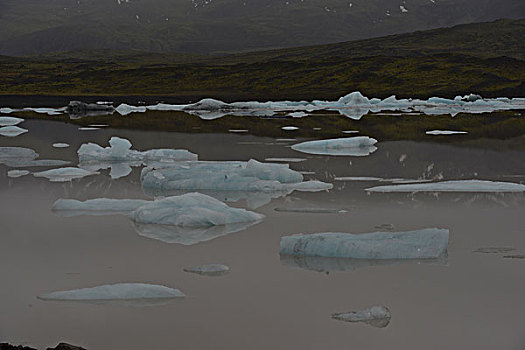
(266, 301)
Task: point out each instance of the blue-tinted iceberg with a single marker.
(453, 186)
(119, 291)
(420, 244)
(64, 174)
(348, 146)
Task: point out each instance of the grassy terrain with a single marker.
(485, 58)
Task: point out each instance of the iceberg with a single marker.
(453, 186)
(209, 270)
(192, 210)
(17, 173)
(377, 316)
(10, 121)
(420, 244)
(25, 157)
(64, 174)
(445, 132)
(12, 131)
(118, 291)
(350, 146)
(125, 109)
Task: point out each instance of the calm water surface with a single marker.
(468, 301)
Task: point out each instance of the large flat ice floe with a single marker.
(119, 157)
(377, 316)
(64, 174)
(119, 291)
(348, 146)
(453, 186)
(420, 244)
(12, 131)
(25, 157)
(10, 121)
(228, 180)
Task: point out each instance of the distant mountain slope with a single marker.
(206, 26)
(484, 58)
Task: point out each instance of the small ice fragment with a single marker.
(119, 291)
(12, 131)
(285, 140)
(238, 130)
(10, 121)
(358, 178)
(285, 160)
(351, 146)
(385, 227)
(350, 131)
(377, 316)
(61, 145)
(453, 186)
(290, 128)
(516, 256)
(209, 270)
(88, 129)
(494, 250)
(298, 114)
(64, 174)
(419, 244)
(98, 125)
(17, 173)
(445, 132)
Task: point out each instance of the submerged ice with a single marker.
(377, 316)
(119, 291)
(349, 146)
(420, 244)
(64, 174)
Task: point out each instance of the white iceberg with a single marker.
(17, 173)
(209, 270)
(61, 145)
(12, 131)
(420, 244)
(349, 146)
(64, 174)
(118, 291)
(10, 121)
(25, 157)
(377, 316)
(444, 132)
(192, 210)
(453, 186)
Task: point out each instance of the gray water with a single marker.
(468, 300)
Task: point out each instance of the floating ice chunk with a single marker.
(357, 178)
(238, 130)
(98, 206)
(88, 129)
(12, 131)
(7, 110)
(354, 99)
(192, 210)
(350, 131)
(61, 145)
(311, 186)
(17, 173)
(444, 132)
(453, 186)
(377, 316)
(64, 174)
(119, 291)
(285, 160)
(290, 128)
(209, 270)
(10, 121)
(25, 157)
(125, 109)
(351, 146)
(419, 244)
(298, 114)
(48, 111)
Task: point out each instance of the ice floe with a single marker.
(10, 121)
(419, 244)
(17, 173)
(453, 186)
(285, 160)
(12, 131)
(61, 145)
(25, 157)
(377, 316)
(65, 174)
(118, 291)
(209, 270)
(311, 210)
(298, 114)
(88, 128)
(349, 146)
(445, 132)
(290, 128)
(97, 206)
